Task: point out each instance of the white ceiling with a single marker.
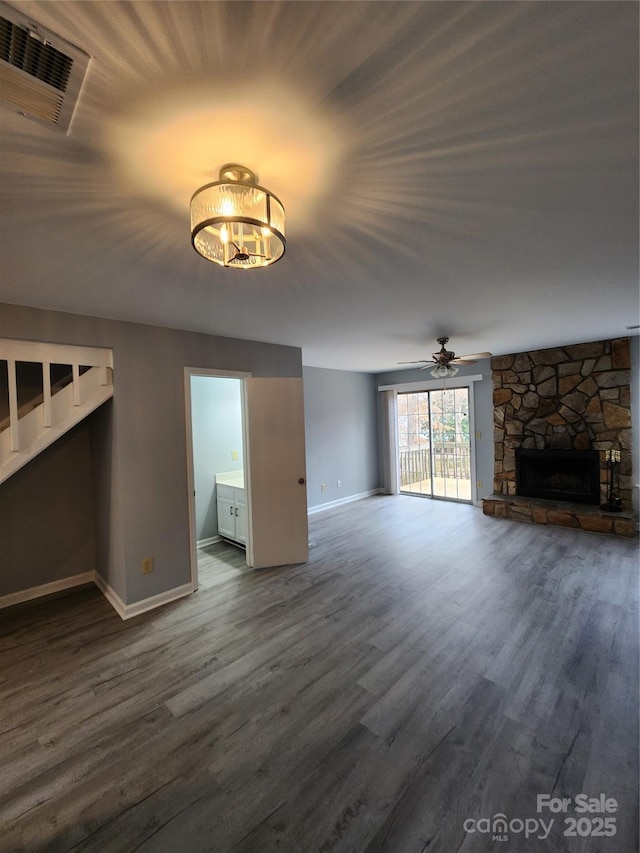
(468, 169)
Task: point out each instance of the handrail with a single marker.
(38, 351)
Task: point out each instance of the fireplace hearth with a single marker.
(560, 475)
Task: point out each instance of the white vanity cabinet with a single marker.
(231, 506)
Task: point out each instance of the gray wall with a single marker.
(46, 516)
(341, 434)
(144, 494)
(216, 412)
(483, 410)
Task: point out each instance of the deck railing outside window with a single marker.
(451, 460)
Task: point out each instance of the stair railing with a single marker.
(46, 354)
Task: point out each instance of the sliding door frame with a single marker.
(438, 385)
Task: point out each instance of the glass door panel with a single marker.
(434, 444)
(414, 443)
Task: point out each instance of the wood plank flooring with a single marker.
(428, 667)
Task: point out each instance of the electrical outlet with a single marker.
(323, 487)
(339, 484)
(147, 565)
(480, 484)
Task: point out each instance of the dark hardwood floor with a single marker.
(428, 669)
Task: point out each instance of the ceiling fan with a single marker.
(445, 360)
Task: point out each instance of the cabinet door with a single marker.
(241, 517)
(277, 489)
(226, 517)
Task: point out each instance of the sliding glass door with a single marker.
(434, 444)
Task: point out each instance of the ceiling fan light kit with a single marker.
(236, 223)
(442, 371)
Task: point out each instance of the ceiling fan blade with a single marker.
(476, 355)
(445, 357)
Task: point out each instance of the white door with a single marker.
(277, 491)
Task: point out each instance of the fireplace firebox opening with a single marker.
(561, 475)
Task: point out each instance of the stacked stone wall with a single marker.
(572, 397)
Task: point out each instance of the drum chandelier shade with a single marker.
(236, 223)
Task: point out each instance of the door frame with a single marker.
(438, 385)
(191, 495)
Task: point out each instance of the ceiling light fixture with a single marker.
(236, 223)
(442, 371)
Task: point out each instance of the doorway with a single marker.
(272, 472)
(216, 450)
(434, 445)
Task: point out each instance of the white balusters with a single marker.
(14, 436)
(76, 384)
(46, 394)
(44, 417)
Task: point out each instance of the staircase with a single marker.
(75, 381)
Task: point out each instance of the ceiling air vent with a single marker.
(41, 74)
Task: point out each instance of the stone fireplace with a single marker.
(567, 403)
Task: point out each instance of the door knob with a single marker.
(301, 480)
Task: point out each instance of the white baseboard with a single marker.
(128, 611)
(341, 501)
(202, 543)
(111, 595)
(154, 601)
(124, 611)
(46, 589)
